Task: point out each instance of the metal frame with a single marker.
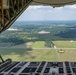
(14, 9)
(1, 58)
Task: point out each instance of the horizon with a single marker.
(44, 20)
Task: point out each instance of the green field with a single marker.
(21, 54)
(39, 52)
(38, 44)
(65, 44)
(68, 55)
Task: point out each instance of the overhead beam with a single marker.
(11, 10)
(2, 14)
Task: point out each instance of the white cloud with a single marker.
(46, 7)
(35, 7)
(40, 7)
(49, 13)
(71, 6)
(59, 8)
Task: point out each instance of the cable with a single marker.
(54, 4)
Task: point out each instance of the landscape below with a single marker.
(39, 41)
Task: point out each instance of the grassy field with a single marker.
(65, 44)
(68, 55)
(21, 54)
(24, 53)
(38, 44)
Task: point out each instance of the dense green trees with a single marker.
(29, 32)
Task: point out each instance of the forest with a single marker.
(23, 32)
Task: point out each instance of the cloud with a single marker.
(35, 7)
(59, 8)
(49, 13)
(71, 6)
(40, 7)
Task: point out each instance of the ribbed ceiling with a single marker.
(54, 2)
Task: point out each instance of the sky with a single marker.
(40, 13)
